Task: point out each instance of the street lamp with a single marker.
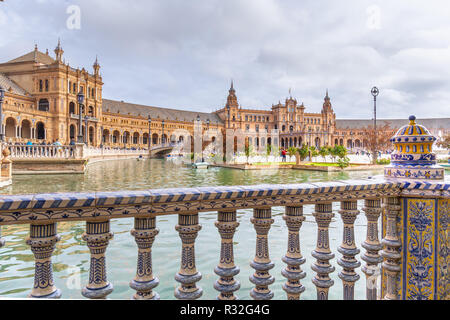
(2, 96)
(149, 132)
(375, 93)
(80, 99)
(162, 137)
(86, 118)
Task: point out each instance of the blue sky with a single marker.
(183, 54)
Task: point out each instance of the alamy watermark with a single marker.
(73, 22)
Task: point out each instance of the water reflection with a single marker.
(71, 256)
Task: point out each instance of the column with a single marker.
(348, 249)
(42, 240)
(372, 208)
(226, 224)
(144, 233)
(262, 220)
(188, 275)
(97, 236)
(293, 258)
(391, 248)
(323, 215)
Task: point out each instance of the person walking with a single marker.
(283, 155)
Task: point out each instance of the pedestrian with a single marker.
(283, 155)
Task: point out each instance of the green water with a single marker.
(71, 257)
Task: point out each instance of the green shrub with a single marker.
(343, 162)
(383, 161)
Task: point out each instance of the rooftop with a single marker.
(125, 108)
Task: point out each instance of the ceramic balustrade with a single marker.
(44, 211)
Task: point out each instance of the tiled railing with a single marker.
(44, 211)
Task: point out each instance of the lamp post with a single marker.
(162, 136)
(2, 96)
(80, 99)
(375, 93)
(101, 137)
(86, 118)
(149, 133)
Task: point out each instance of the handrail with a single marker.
(25, 209)
(381, 198)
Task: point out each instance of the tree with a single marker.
(323, 152)
(303, 152)
(378, 141)
(291, 151)
(340, 151)
(269, 150)
(444, 142)
(248, 151)
(333, 153)
(313, 152)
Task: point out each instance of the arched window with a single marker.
(40, 130)
(46, 85)
(44, 105)
(10, 128)
(72, 131)
(26, 129)
(71, 108)
(91, 111)
(41, 85)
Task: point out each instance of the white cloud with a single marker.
(182, 54)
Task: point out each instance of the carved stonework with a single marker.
(188, 275)
(42, 240)
(391, 248)
(144, 233)
(323, 215)
(262, 220)
(293, 258)
(227, 285)
(373, 210)
(97, 237)
(348, 249)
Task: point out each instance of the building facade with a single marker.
(41, 105)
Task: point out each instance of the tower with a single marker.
(232, 99)
(59, 51)
(96, 66)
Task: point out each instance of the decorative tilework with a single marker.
(420, 249)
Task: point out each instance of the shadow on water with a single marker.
(71, 256)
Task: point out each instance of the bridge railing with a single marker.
(22, 151)
(382, 199)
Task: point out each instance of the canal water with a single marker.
(71, 257)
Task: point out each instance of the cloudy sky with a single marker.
(183, 54)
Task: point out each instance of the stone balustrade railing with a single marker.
(406, 209)
(79, 151)
(21, 151)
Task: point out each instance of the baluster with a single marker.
(348, 249)
(2, 240)
(226, 224)
(144, 233)
(188, 275)
(323, 215)
(293, 258)
(262, 220)
(97, 236)
(42, 240)
(372, 208)
(391, 248)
